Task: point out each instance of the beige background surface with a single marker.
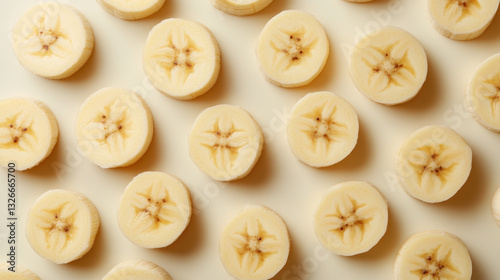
(278, 180)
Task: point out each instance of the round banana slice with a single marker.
(292, 49)
(389, 66)
(52, 40)
(483, 93)
(433, 163)
(351, 218)
(433, 255)
(240, 7)
(136, 270)
(495, 207)
(61, 226)
(323, 129)
(131, 9)
(114, 127)
(462, 19)
(225, 142)
(154, 210)
(28, 132)
(255, 244)
(181, 58)
(21, 273)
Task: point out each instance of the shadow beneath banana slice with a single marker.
(54, 164)
(294, 260)
(219, 90)
(190, 240)
(95, 256)
(260, 173)
(88, 70)
(491, 33)
(273, 9)
(477, 269)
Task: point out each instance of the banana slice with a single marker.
(61, 226)
(114, 127)
(433, 163)
(323, 129)
(22, 273)
(137, 270)
(28, 132)
(181, 58)
(225, 142)
(131, 9)
(483, 93)
(52, 40)
(462, 19)
(292, 49)
(433, 255)
(351, 218)
(389, 66)
(240, 7)
(255, 244)
(154, 210)
(495, 207)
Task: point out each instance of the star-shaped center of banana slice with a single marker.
(253, 245)
(58, 225)
(46, 38)
(110, 125)
(16, 132)
(459, 9)
(154, 207)
(390, 66)
(291, 47)
(349, 220)
(178, 56)
(433, 164)
(436, 264)
(490, 90)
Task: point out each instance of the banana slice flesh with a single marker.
(154, 210)
(137, 270)
(351, 218)
(22, 273)
(62, 225)
(28, 132)
(433, 255)
(255, 244)
(181, 58)
(389, 66)
(483, 93)
(495, 207)
(52, 40)
(322, 129)
(462, 19)
(131, 9)
(292, 49)
(241, 7)
(433, 163)
(225, 142)
(114, 127)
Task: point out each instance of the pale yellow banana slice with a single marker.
(323, 129)
(154, 210)
(351, 218)
(21, 273)
(433, 255)
(28, 132)
(240, 7)
(389, 66)
(462, 19)
(52, 40)
(131, 9)
(137, 270)
(114, 127)
(225, 142)
(61, 226)
(181, 58)
(292, 49)
(483, 93)
(255, 244)
(495, 207)
(433, 163)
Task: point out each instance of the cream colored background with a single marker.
(278, 180)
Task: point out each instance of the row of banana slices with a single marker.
(155, 209)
